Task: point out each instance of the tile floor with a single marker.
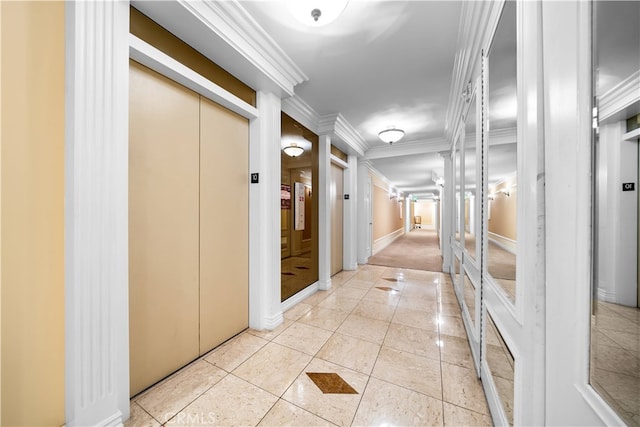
(394, 336)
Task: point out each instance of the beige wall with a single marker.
(425, 210)
(32, 213)
(503, 211)
(386, 212)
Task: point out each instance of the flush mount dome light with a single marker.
(391, 135)
(316, 13)
(293, 150)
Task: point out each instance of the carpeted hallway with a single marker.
(418, 250)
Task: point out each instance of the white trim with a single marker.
(629, 136)
(299, 297)
(96, 213)
(162, 63)
(408, 148)
(224, 32)
(384, 241)
(621, 96)
(301, 112)
(338, 161)
(505, 243)
(324, 212)
(350, 228)
(605, 295)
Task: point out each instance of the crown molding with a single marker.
(300, 111)
(618, 98)
(433, 145)
(339, 127)
(224, 32)
(503, 136)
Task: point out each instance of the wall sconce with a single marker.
(440, 182)
(393, 195)
(491, 197)
(505, 192)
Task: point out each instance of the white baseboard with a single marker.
(300, 296)
(606, 296)
(383, 242)
(504, 242)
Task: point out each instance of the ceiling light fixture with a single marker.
(293, 150)
(391, 135)
(316, 13)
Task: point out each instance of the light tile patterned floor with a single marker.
(393, 335)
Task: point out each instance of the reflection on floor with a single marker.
(615, 358)
(394, 336)
(296, 274)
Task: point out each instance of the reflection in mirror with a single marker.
(615, 331)
(502, 154)
(470, 185)
(501, 364)
(457, 171)
(456, 272)
(470, 297)
(298, 210)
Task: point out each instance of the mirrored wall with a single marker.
(615, 331)
(298, 208)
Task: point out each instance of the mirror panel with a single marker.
(470, 181)
(458, 191)
(502, 154)
(501, 364)
(615, 320)
(470, 298)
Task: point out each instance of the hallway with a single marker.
(418, 249)
(394, 336)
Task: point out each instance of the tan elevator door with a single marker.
(224, 224)
(163, 226)
(336, 194)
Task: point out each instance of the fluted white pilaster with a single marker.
(96, 212)
(447, 200)
(350, 230)
(265, 310)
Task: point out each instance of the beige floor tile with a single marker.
(359, 284)
(269, 334)
(388, 404)
(305, 338)
(499, 362)
(370, 275)
(317, 298)
(364, 328)
(337, 408)
(273, 368)
(382, 297)
(297, 311)
(617, 359)
(450, 309)
(324, 318)
(373, 310)
(409, 370)
(416, 319)
(284, 413)
(232, 353)
(140, 418)
(461, 386)
(626, 340)
(456, 351)
(505, 391)
(419, 304)
(457, 416)
(220, 405)
(173, 394)
(427, 292)
(452, 326)
(413, 340)
(353, 293)
(336, 302)
(352, 353)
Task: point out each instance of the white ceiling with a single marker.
(380, 64)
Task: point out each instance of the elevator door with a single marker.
(224, 224)
(336, 192)
(163, 226)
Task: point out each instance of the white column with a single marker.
(349, 229)
(324, 213)
(96, 213)
(447, 198)
(472, 214)
(364, 207)
(407, 214)
(265, 310)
